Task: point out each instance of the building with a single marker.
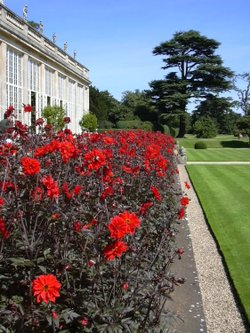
(35, 71)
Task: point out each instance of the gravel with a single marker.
(220, 309)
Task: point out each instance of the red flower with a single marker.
(8, 186)
(125, 286)
(90, 224)
(20, 128)
(108, 140)
(37, 194)
(95, 159)
(145, 207)
(156, 193)
(123, 224)
(77, 189)
(66, 192)
(66, 120)
(181, 213)
(180, 252)
(187, 186)
(52, 187)
(46, 288)
(9, 111)
(131, 220)
(91, 263)
(114, 250)
(30, 166)
(84, 322)
(67, 150)
(1, 201)
(153, 151)
(118, 227)
(77, 227)
(184, 201)
(3, 230)
(107, 192)
(54, 315)
(48, 128)
(55, 216)
(27, 108)
(39, 122)
(161, 163)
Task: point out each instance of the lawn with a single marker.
(218, 154)
(220, 141)
(224, 193)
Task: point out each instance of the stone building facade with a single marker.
(35, 71)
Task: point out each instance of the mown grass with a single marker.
(224, 193)
(220, 141)
(218, 154)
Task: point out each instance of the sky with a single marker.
(114, 39)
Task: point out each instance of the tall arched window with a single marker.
(14, 80)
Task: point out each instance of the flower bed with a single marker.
(87, 229)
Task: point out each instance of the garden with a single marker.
(87, 230)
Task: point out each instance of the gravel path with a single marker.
(221, 312)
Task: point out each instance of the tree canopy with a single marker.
(102, 104)
(243, 92)
(220, 110)
(194, 71)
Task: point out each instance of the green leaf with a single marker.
(43, 269)
(69, 315)
(46, 252)
(21, 262)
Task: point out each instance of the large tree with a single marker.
(194, 70)
(220, 110)
(242, 87)
(102, 104)
(244, 126)
(137, 104)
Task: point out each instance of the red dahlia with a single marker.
(46, 288)
(30, 166)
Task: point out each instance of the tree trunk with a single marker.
(182, 127)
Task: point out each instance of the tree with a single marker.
(243, 93)
(220, 110)
(89, 122)
(205, 127)
(103, 105)
(243, 125)
(54, 116)
(136, 104)
(167, 98)
(195, 71)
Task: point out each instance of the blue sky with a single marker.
(114, 39)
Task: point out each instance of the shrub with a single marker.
(135, 124)
(205, 127)
(89, 122)
(158, 127)
(200, 145)
(105, 124)
(174, 132)
(81, 249)
(128, 124)
(54, 116)
(146, 126)
(166, 129)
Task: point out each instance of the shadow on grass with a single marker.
(235, 144)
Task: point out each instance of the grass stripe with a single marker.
(224, 193)
(218, 154)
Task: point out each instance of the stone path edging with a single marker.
(221, 312)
